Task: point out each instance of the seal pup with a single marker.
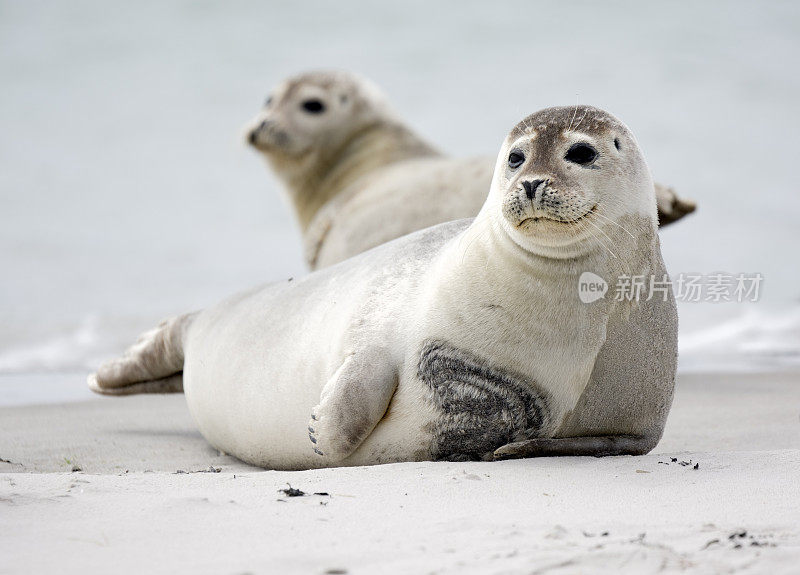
(358, 176)
(464, 341)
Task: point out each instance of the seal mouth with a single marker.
(259, 145)
(276, 149)
(267, 137)
(556, 219)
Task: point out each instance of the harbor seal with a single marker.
(464, 341)
(358, 176)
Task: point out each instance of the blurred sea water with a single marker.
(127, 195)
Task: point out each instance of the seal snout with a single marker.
(253, 136)
(531, 187)
(267, 136)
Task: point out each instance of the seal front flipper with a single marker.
(352, 403)
(600, 446)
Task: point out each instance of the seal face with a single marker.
(482, 407)
(555, 173)
(306, 112)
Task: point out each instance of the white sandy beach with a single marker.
(131, 509)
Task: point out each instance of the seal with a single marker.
(358, 176)
(464, 341)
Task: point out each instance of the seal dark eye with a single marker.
(313, 106)
(616, 143)
(581, 154)
(515, 160)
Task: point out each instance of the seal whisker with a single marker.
(574, 113)
(601, 241)
(582, 119)
(597, 239)
(625, 269)
(609, 220)
(477, 236)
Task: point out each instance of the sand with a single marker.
(132, 509)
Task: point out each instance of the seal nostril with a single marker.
(252, 137)
(530, 188)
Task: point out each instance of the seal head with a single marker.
(563, 175)
(323, 132)
(316, 110)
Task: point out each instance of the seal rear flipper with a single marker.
(599, 446)
(671, 207)
(171, 384)
(153, 365)
(352, 403)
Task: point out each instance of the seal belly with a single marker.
(253, 373)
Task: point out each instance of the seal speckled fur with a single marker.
(482, 407)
